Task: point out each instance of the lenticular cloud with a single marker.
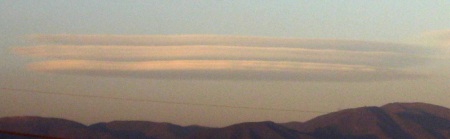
(225, 57)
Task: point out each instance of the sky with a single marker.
(217, 63)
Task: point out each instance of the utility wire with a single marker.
(160, 101)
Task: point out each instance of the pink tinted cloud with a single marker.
(225, 57)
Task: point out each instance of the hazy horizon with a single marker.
(219, 63)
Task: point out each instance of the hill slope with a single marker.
(395, 120)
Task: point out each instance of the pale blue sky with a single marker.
(352, 19)
(365, 20)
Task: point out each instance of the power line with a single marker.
(160, 101)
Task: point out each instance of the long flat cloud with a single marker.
(225, 57)
(230, 65)
(142, 53)
(224, 69)
(178, 40)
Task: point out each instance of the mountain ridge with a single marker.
(393, 120)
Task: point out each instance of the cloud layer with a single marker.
(215, 52)
(225, 57)
(212, 40)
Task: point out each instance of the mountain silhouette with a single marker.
(251, 130)
(391, 121)
(144, 129)
(50, 127)
(395, 120)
